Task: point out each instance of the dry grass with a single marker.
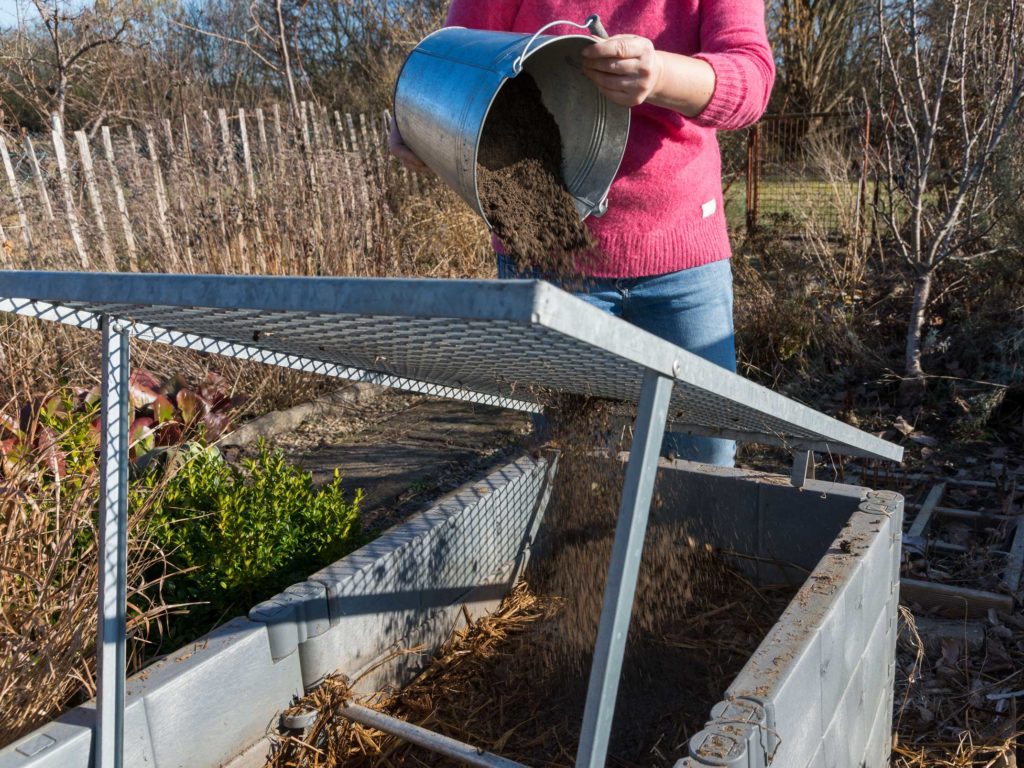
(335, 740)
(944, 716)
(48, 588)
(962, 753)
(331, 204)
(499, 684)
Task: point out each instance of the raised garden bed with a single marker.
(817, 690)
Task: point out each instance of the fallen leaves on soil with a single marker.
(955, 708)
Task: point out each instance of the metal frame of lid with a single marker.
(511, 344)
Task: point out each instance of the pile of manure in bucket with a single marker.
(519, 174)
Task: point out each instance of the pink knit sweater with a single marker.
(665, 208)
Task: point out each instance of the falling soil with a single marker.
(520, 183)
(515, 682)
(494, 686)
(575, 543)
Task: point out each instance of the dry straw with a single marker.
(48, 585)
(497, 685)
(957, 707)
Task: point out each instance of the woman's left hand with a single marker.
(626, 68)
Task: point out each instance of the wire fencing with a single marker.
(793, 174)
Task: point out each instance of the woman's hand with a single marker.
(626, 68)
(630, 71)
(402, 152)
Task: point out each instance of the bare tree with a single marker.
(42, 68)
(268, 37)
(286, 61)
(818, 43)
(352, 50)
(951, 80)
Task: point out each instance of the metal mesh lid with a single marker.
(510, 343)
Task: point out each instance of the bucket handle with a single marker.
(592, 25)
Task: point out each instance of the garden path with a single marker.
(402, 450)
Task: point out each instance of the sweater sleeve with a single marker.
(495, 15)
(735, 43)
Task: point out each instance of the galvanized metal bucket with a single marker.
(449, 82)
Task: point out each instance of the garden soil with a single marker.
(515, 683)
(520, 182)
(575, 543)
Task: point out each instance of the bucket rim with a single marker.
(542, 42)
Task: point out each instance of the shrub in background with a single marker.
(239, 534)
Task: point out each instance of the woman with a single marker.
(689, 68)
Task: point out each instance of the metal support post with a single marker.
(435, 742)
(652, 413)
(803, 468)
(108, 735)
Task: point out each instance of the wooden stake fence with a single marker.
(57, 134)
(249, 191)
(122, 205)
(12, 180)
(94, 199)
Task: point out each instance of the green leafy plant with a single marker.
(239, 534)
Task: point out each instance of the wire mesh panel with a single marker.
(806, 174)
(522, 340)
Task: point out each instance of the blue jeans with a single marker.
(691, 308)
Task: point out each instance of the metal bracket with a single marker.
(741, 734)
(803, 468)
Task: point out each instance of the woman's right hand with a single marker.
(402, 152)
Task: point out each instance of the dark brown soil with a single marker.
(574, 546)
(520, 182)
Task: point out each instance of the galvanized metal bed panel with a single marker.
(509, 343)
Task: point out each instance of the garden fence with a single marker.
(801, 173)
(230, 192)
(266, 192)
